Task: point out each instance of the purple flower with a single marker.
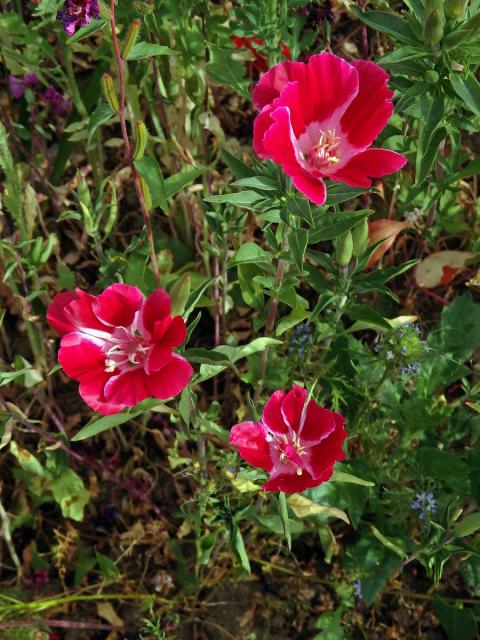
(58, 104)
(19, 84)
(357, 589)
(77, 13)
(425, 504)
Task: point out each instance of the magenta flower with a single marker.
(78, 13)
(58, 104)
(119, 346)
(318, 120)
(297, 443)
(19, 84)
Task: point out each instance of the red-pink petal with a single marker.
(272, 413)
(370, 111)
(293, 405)
(372, 163)
(128, 388)
(272, 83)
(160, 355)
(91, 390)
(313, 188)
(325, 454)
(56, 317)
(290, 482)
(171, 379)
(319, 423)
(118, 304)
(278, 142)
(176, 332)
(261, 124)
(157, 307)
(80, 357)
(251, 440)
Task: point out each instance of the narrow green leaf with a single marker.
(257, 182)
(105, 423)
(297, 245)
(241, 199)
(102, 114)
(365, 314)
(150, 171)
(282, 503)
(237, 167)
(468, 89)
(459, 624)
(92, 27)
(175, 183)
(389, 23)
(467, 525)
(238, 547)
(149, 50)
(387, 542)
(333, 225)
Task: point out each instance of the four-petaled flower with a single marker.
(77, 13)
(318, 120)
(425, 503)
(296, 442)
(119, 346)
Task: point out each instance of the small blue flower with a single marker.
(357, 589)
(424, 503)
(390, 355)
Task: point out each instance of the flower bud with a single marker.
(130, 39)
(360, 238)
(433, 29)
(146, 194)
(344, 249)
(110, 93)
(141, 139)
(431, 76)
(455, 8)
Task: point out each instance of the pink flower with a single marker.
(297, 443)
(318, 120)
(119, 346)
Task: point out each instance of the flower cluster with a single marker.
(296, 442)
(404, 348)
(415, 216)
(425, 504)
(57, 103)
(300, 340)
(119, 346)
(318, 120)
(77, 13)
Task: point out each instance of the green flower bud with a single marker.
(360, 238)
(344, 249)
(431, 76)
(146, 194)
(455, 8)
(433, 30)
(110, 93)
(141, 139)
(431, 5)
(130, 39)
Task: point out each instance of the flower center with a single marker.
(290, 448)
(324, 154)
(126, 349)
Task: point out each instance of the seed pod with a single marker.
(434, 24)
(344, 249)
(130, 39)
(431, 76)
(110, 93)
(455, 8)
(360, 238)
(143, 7)
(141, 139)
(146, 194)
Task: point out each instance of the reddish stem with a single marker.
(128, 149)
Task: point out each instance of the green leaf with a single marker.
(459, 332)
(107, 567)
(223, 69)
(468, 89)
(105, 423)
(459, 624)
(179, 294)
(237, 167)
(150, 171)
(102, 114)
(143, 50)
(175, 183)
(26, 460)
(303, 507)
(250, 253)
(367, 316)
(467, 525)
(88, 30)
(257, 182)
(300, 208)
(241, 199)
(339, 192)
(389, 23)
(70, 493)
(333, 225)
(199, 355)
(472, 169)
(446, 467)
(297, 245)
(238, 547)
(282, 504)
(426, 156)
(340, 476)
(387, 542)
